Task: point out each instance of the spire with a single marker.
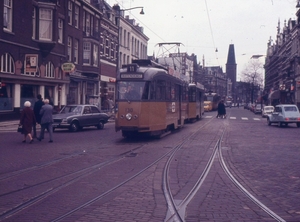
(231, 55)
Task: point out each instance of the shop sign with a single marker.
(31, 63)
(68, 67)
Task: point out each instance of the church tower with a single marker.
(231, 69)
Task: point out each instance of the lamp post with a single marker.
(118, 10)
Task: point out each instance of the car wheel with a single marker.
(74, 127)
(298, 124)
(100, 125)
(269, 122)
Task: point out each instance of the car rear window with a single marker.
(292, 109)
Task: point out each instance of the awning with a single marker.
(274, 95)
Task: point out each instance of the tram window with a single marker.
(132, 90)
(145, 94)
(168, 91)
(160, 90)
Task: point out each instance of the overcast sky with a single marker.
(203, 26)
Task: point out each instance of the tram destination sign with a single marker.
(131, 76)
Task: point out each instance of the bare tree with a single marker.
(253, 74)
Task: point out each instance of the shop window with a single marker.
(49, 70)
(6, 99)
(7, 64)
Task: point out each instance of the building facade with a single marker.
(36, 48)
(282, 64)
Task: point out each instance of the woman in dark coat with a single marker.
(27, 121)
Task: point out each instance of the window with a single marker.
(34, 23)
(49, 70)
(76, 17)
(7, 15)
(60, 30)
(76, 43)
(70, 7)
(107, 48)
(31, 64)
(112, 53)
(97, 28)
(69, 49)
(92, 26)
(45, 26)
(86, 53)
(101, 46)
(7, 63)
(95, 55)
(87, 25)
(83, 21)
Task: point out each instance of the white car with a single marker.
(267, 110)
(284, 114)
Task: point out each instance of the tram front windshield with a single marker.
(132, 90)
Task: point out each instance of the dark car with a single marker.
(75, 117)
(257, 109)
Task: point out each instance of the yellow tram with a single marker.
(195, 102)
(214, 98)
(149, 100)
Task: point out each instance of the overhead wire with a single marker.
(211, 32)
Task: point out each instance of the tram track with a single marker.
(176, 211)
(77, 175)
(68, 179)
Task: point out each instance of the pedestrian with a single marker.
(110, 104)
(36, 109)
(27, 121)
(46, 120)
(221, 110)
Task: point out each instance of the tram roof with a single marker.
(148, 68)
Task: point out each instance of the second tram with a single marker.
(214, 98)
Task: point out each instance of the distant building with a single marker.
(231, 68)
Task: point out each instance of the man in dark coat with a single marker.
(37, 107)
(46, 120)
(221, 109)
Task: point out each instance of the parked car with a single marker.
(257, 109)
(75, 117)
(284, 114)
(267, 110)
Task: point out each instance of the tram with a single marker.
(214, 98)
(149, 100)
(196, 101)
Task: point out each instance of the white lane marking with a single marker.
(232, 117)
(256, 118)
(244, 118)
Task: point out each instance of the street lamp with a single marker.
(118, 10)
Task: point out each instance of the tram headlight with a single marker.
(128, 116)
